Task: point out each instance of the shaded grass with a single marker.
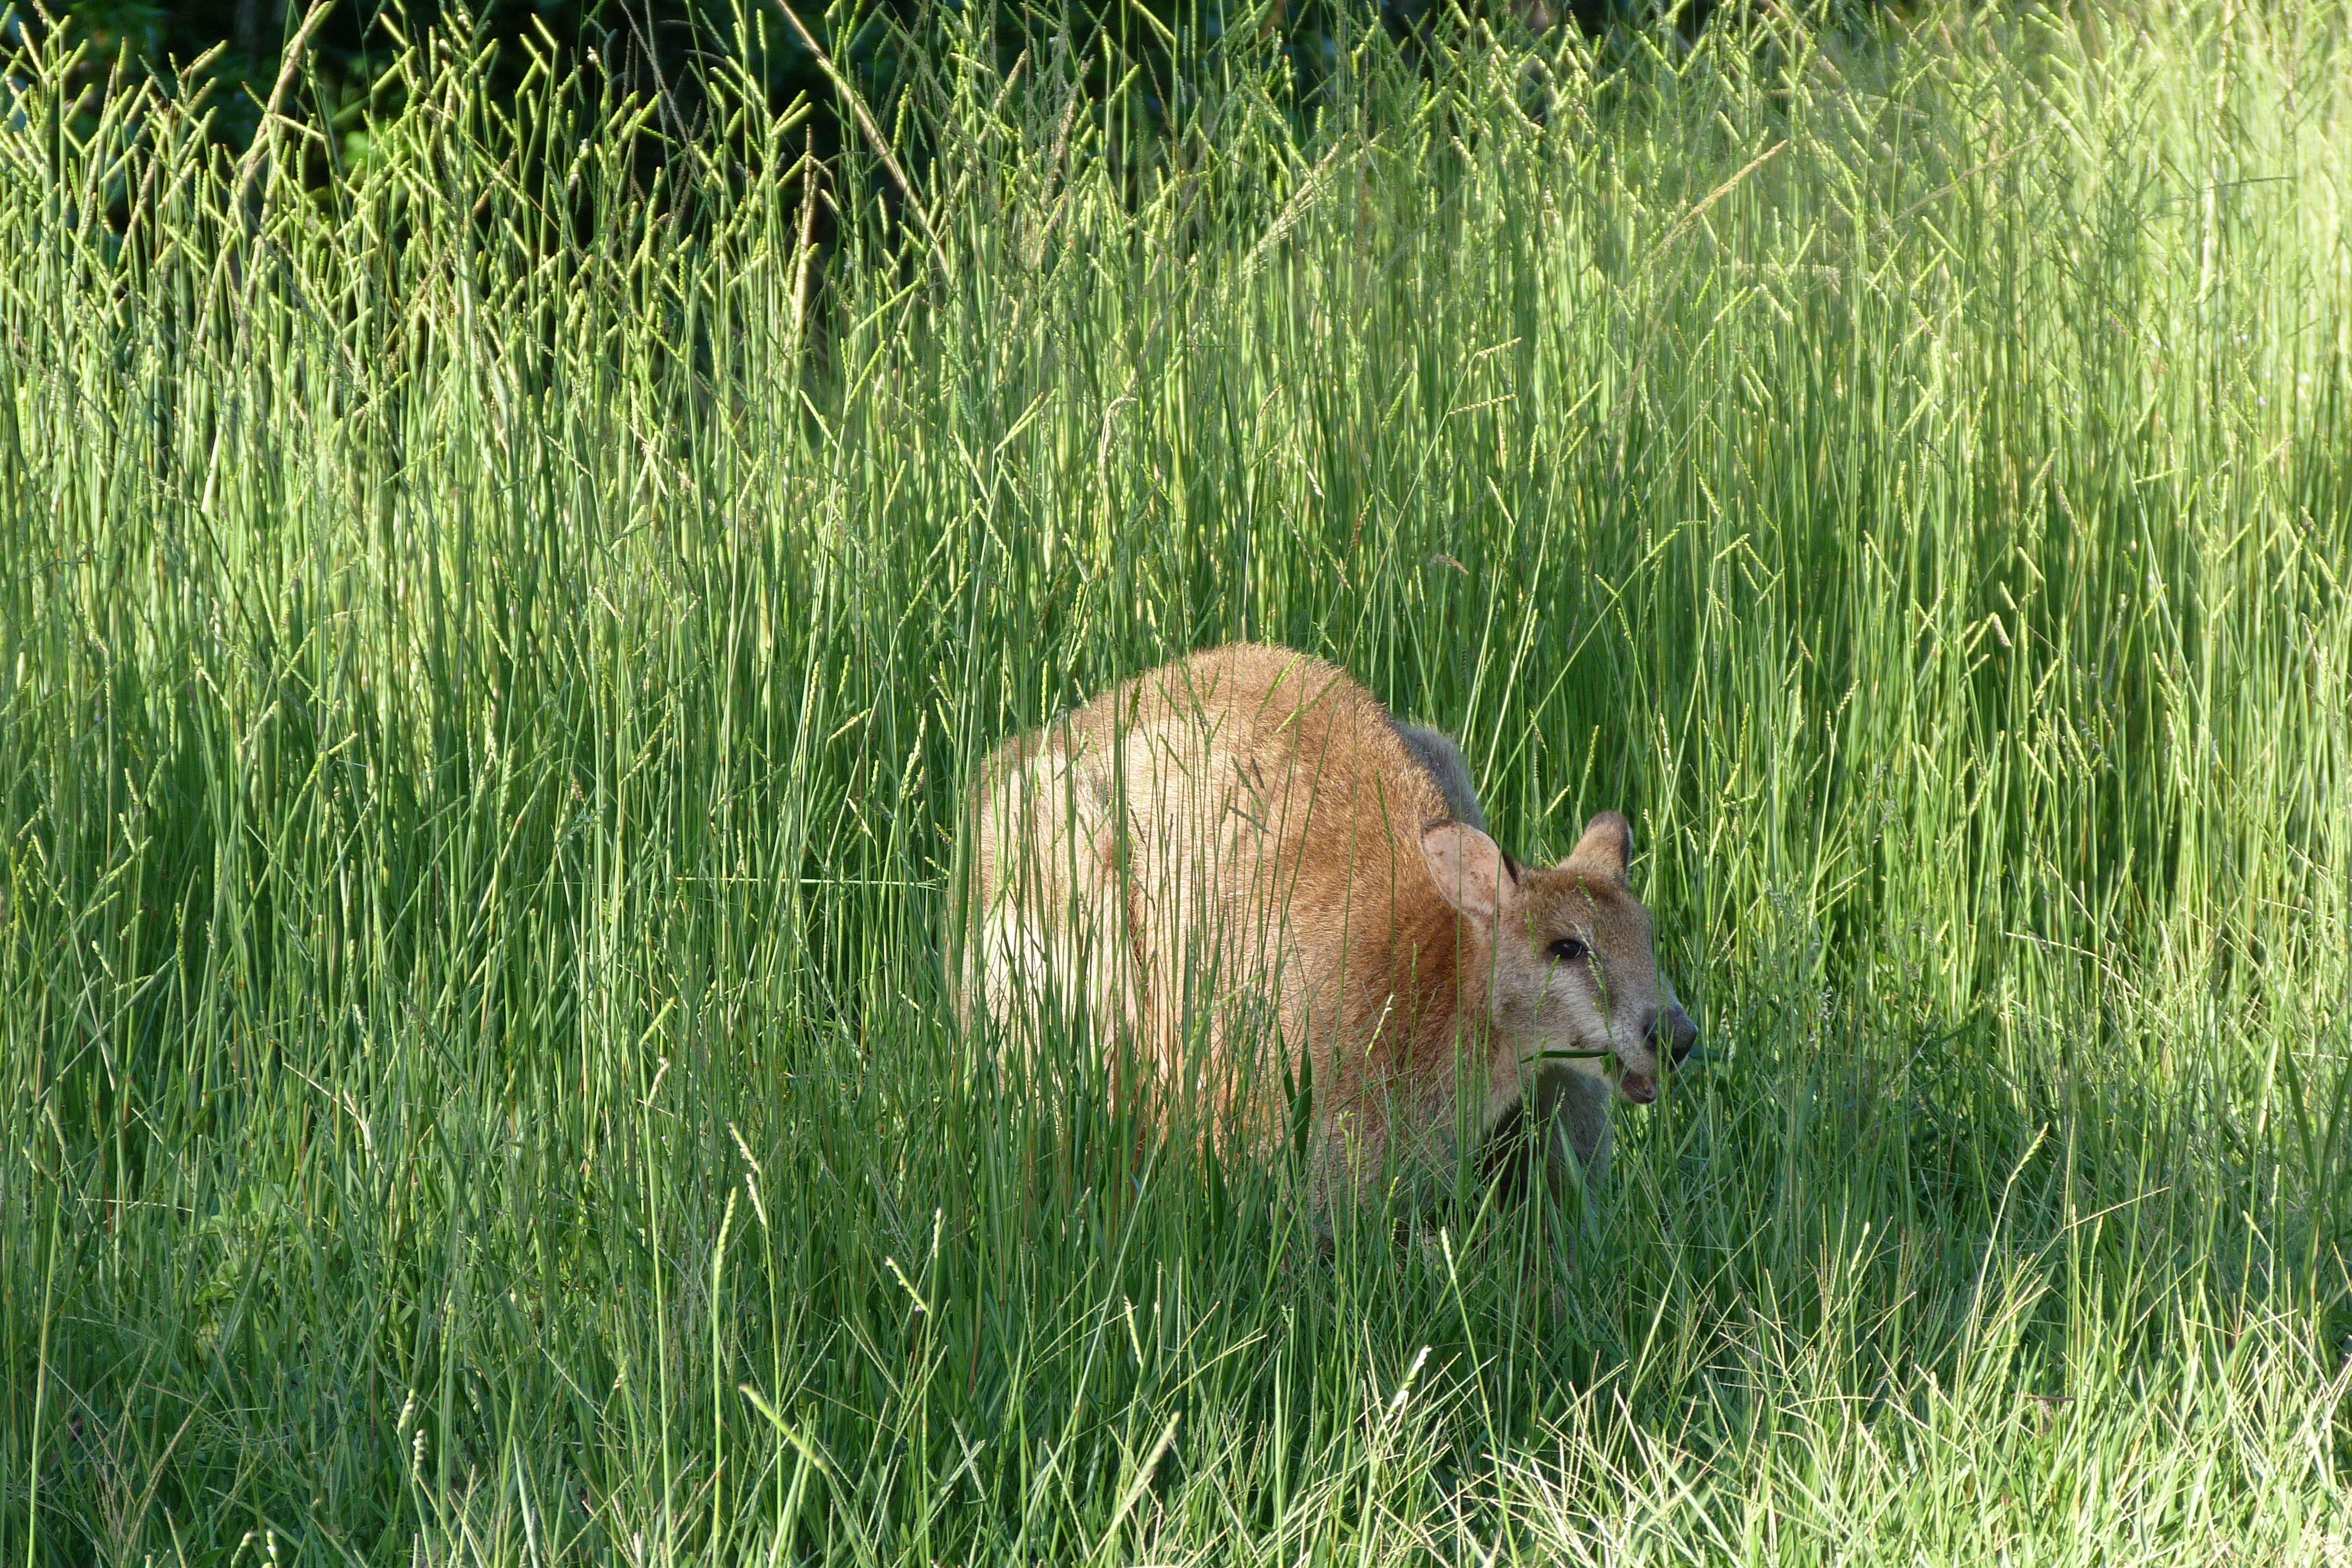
(484, 675)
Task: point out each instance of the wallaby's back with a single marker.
(1228, 846)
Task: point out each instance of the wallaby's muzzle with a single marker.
(1671, 1034)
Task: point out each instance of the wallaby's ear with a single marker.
(1606, 847)
(1467, 868)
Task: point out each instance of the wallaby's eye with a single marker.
(1568, 950)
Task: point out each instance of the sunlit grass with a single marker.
(485, 672)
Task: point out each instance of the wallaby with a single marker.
(1245, 848)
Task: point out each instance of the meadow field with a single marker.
(490, 643)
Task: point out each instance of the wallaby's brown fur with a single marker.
(1247, 847)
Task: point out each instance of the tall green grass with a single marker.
(487, 663)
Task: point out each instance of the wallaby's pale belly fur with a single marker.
(1224, 855)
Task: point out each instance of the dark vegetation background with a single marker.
(233, 47)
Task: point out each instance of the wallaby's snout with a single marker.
(1671, 1033)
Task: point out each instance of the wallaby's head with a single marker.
(1574, 968)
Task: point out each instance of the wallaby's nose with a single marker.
(1671, 1033)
